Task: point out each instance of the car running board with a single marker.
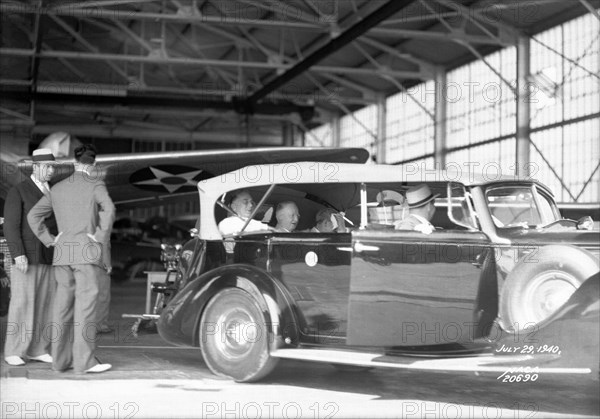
(484, 363)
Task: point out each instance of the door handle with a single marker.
(359, 247)
(344, 249)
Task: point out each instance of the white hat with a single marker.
(419, 195)
(384, 197)
(43, 155)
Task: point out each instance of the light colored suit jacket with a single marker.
(82, 206)
(414, 223)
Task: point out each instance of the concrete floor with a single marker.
(151, 379)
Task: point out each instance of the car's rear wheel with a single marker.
(536, 290)
(234, 338)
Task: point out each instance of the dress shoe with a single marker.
(14, 360)
(42, 358)
(99, 368)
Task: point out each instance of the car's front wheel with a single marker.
(234, 338)
(534, 291)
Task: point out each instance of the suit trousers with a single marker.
(103, 298)
(28, 331)
(74, 340)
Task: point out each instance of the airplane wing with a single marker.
(149, 179)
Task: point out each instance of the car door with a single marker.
(315, 268)
(414, 289)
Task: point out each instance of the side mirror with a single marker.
(585, 223)
(193, 232)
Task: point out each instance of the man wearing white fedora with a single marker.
(32, 275)
(421, 209)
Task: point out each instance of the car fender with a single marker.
(578, 262)
(180, 320)
(571, 335)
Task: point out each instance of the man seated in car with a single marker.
(421, 209)
(242, 205)
(287, 216)
(328, 221)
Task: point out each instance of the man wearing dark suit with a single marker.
(84, 214)
(32, 276)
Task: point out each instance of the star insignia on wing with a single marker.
(170, 181)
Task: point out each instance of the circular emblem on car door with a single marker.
(311, 258)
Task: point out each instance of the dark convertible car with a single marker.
(503, 284)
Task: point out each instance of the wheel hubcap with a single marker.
(237, 333)
(546, 293)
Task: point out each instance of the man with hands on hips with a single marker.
(84, 215)
(32, 276)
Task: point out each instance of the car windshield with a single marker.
(521, 206)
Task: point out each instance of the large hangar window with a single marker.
(360, 129)
(565, 123)
(409, 125)
(481, 114)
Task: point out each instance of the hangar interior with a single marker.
(508, 86)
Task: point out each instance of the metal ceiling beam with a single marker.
(19, 52)
(86, 44)
(45, 46)
(438, 36)
(394, 51)
(35, 61)
(117, 34)
(99, 3)
(211, 90)
(268, 6)
(364, 90)
(590, 8)
(385, 11)
(470, 13)
(164, 112)
(122, 14)
(474, 51)
(104, 131)
(228, 78)
(132, 99)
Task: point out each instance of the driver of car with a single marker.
(421, 209)
(242, 205)
(328, 221)
(287, 216)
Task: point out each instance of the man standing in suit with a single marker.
(84, 214)
(421, 209)
(32, 276)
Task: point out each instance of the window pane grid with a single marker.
(410, 129)
(353, 134)
(320, 136)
